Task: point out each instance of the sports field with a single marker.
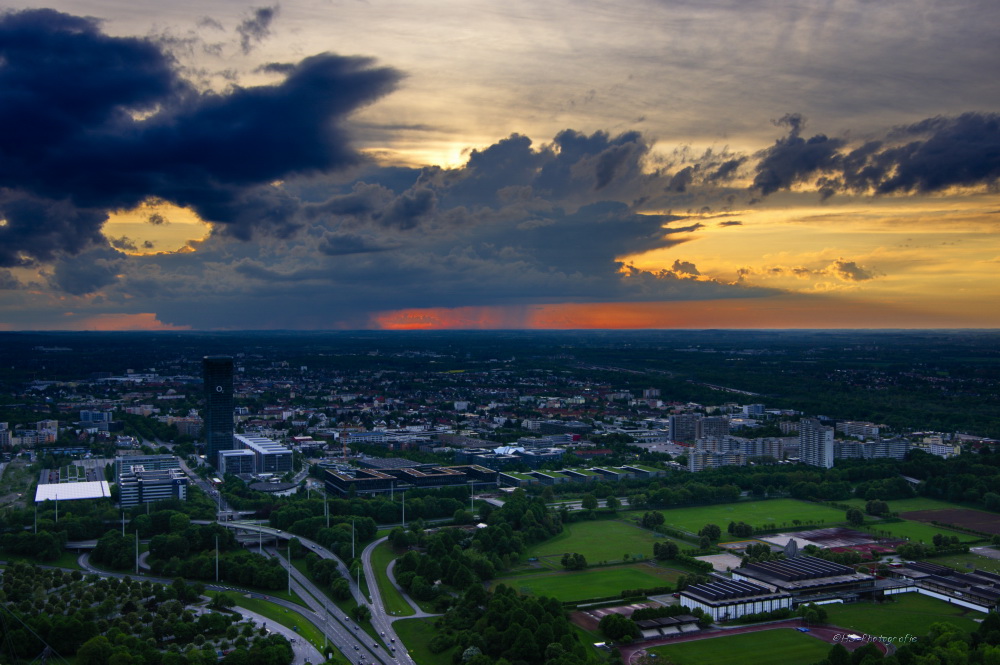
(906, 505)
(597, 541)
(781, 645)
(966, 563)
(910, 613)
(593, 583)
(920, 532)
(754, 513)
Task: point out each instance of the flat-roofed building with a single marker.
(805, 575)
(726, 599)
(137, 486)
(358, 481)
(269, 456)
(147, 462)
(237, 462)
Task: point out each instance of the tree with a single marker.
(666, 550)
(95, 651)
(855, 517)
(617, 627)
(612, 503)
(361, 613)
(573, 561)
(652, 519)
(589, 502)
(711, 531)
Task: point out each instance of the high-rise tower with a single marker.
(218, 376)
(815, 443)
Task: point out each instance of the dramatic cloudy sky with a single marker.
(460, 163)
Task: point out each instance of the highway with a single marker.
(345, 638)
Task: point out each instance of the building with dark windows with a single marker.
(124, 463)
(138, 486)
(269, 456)
(218, 375)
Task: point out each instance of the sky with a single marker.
(327, 164)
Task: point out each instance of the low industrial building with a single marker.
(979, 588)
(682, 624)
(343, 481)
(725, 600)
(807, 578)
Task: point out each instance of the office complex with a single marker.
(218, 375)
(124, 464)
(138, 486)
(815, 443)
(237, 462)
(269, 456)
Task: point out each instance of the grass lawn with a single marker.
(754, 513)
(910, 613)
(906, 505)
(394, 602)
(593, 583)
(961, 561)
(918, 531)
(600, 540)
(288, 619)
(416, 634)
(781, 645)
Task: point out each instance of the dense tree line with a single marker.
(449, 557)
(121, 622)
(504, 628)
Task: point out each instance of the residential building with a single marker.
(815, 443)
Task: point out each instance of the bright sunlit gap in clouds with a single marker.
(155, 227)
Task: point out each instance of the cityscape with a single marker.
(659, 332)
(359, 498)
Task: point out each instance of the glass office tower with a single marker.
(218, 375)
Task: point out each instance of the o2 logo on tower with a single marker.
(218, 389)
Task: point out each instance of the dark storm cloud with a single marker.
(938, 153)
(156, 219)
(8, 282)
(792, 159)
(925, 157)
(87, 272)
(726, 170)
(256, 27)
(681, 180)
(342, 244)
(732, 222)
(75, 147)
(409, 208)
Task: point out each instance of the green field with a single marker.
(906, 505)
(593, 583)
(754, 513)
(961, 562)
(909, 613)
(286, 618)
(601, 540)
(781, 645)
(416, 634)
(393, 600)
(918, 531)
